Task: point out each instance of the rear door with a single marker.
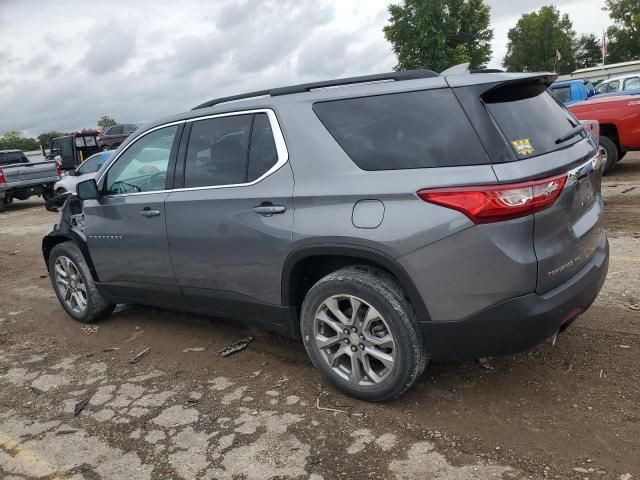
(539, 130)
(229, 228)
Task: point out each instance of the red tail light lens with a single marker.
(2, 179)
(495, 203)
(58, 168)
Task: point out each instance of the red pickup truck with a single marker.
(619, 119)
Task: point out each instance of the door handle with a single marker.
(267, 209)
(148, 213)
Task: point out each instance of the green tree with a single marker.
(16, 140)
(438, 34)
(588, 51)
(106, 122)
(45, 138)
(536, 38)
(624, 35)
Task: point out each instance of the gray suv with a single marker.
(385, 220)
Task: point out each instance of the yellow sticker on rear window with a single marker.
(523, 147)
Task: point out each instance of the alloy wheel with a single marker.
(354, 340)
(70, 284)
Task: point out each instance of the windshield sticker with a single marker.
(523, 147)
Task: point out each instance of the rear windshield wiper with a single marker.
(572, 133)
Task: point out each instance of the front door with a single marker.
(125, 227)
(229, 228)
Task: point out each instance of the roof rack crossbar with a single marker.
(306, 87)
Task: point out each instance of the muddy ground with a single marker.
(570, 410)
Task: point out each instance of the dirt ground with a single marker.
(571, 410)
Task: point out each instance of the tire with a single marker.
(60, 191)
(359, 373)
(105, 148)
(610, 152)
(48, 194)
(3, 204)
(67, 262)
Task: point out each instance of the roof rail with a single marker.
(306, 87)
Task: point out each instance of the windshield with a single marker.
(531, 119)
(92, 164)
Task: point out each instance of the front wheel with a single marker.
(105, 148)
(48, 194)
(360, 333)
(74, 285)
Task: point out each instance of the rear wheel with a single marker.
(360, 333)
(105, 148)
(3, 203)
(74, 285)
(609, 153)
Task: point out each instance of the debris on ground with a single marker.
(80, 406)
(627, 190)
(194, 349)
(234, 347)
(110, 349)
(329, 409)
(484, 363)
(68, 431)
(624, 346)
(626, 476)
(635, 308)
(90, 329)
(140, 355)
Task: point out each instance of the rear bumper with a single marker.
(520, 323)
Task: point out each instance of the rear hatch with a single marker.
(546, 141)
(30, 172)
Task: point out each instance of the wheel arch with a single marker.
(57, 237)
(321, 259)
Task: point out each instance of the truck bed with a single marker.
(24, 174)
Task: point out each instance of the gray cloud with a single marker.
(136, 61)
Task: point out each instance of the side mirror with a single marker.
(87, 190)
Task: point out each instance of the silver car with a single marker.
(85, 171)
(385, 220)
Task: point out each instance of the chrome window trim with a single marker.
(278, 137)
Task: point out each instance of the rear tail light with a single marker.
(2, 179)
(58, 168)
(495, 203)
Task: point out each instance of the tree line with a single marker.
(437, 34)
(17, 140)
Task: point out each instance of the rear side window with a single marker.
(406, 130)
(531, 118)
(229, 150)
(10, 158)
(217, 151)
(632, 83)
(563, 93)
(262, 154)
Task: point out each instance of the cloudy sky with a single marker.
(64, 64)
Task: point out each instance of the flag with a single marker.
(558, 56)
(605, 47)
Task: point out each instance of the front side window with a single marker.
(613, 86)
(602, 88)
(143, 166)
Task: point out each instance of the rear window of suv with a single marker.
(531, 119)
(406, 130)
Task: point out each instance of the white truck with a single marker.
(21, 179)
